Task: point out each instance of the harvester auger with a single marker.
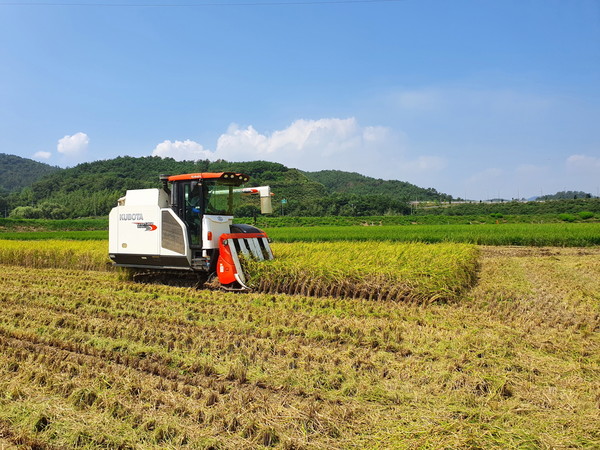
(186, 228)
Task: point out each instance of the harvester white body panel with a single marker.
(142, 228)
(212, 228)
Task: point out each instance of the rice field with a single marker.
(341, 345)
(90, 361)
(381, 271)
(525, 234)
(54, 253)
(373, 270)
(78, 235)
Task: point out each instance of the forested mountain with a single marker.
(17, 173)
(337, 181)
(95, 187)
(92, 189)
(565, 195)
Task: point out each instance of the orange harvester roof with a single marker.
(241, 177)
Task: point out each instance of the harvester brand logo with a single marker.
(131, 216)
(148, 226)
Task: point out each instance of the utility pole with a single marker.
(283, 202)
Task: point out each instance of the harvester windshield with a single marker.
(195, 194)
(221, 198)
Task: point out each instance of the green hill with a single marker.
(565, 195)
(17, 173)
(337, 181)
(92, 189)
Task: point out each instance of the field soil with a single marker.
(90, 360)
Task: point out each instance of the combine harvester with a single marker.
(185, 230)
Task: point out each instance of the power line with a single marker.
(193, 5)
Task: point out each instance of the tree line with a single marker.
(92, 189)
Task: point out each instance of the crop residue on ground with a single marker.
(89, 360)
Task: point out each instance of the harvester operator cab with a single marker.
(196, 198)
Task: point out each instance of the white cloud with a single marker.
(426, 164)
(583, 164)
(418, 100)
(303, 140)
(486, 176)
(329, 143)
(42, 155)
(182, 150)
(73, 146)
(460, 99)
(528, 170)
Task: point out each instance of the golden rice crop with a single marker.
(373, 270)
(84, 255)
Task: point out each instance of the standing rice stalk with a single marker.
(373, 270)
(84, 255)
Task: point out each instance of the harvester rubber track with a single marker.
(175, 278)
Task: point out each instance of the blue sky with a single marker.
(478, 99)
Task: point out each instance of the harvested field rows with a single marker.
(89, 360)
